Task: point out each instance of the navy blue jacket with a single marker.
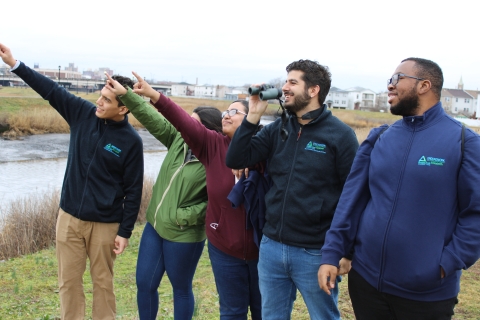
(308, 171)
(251, 193)
(104, 175)
(411, 205)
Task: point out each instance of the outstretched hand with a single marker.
(144, 89)
(115, 86)
(7, 56)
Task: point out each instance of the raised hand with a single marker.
(256, 108)
(7, 56)
(115, 86)
(143, 88)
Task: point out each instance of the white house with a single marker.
(360, 98)
(337, 98)
(206, 90)
(183, 89)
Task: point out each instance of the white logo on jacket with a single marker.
(214, 225)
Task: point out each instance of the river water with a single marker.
(36, 164)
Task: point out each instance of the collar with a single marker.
(313, 114)
(427, 117)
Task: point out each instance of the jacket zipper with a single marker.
(168, 188)
(384, 249)
(88, 171)
(288, 182)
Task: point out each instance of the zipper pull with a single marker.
(299, 132)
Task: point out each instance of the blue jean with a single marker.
(179, 259)
(237, 285)
(283, 269)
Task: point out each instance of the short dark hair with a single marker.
(210, 117)
(429, 70)
(314, 74)
(244, 103)
(126, 82)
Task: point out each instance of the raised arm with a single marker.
(153, 121)
(197, 137)
(70, 107)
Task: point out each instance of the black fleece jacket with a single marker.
(104, 175)
(308, 171)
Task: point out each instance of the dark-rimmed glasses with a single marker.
(396, 77)
(231, 113)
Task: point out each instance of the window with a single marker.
(467, 100)
(465, 109)
(456, 100)
(336, 101)
(447, 99)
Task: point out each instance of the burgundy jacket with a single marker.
(225, 226)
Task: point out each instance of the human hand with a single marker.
(144, 89)
(327, 275)
(442, 273)
(7, 56)
(238, 172)
(345, 266)
(115, 86)
(121, 244)
(256, 107)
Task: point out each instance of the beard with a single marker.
(406, 106)
(299, 102)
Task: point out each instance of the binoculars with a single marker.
(265, 92)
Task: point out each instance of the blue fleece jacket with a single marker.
(411, 205)
(104, 175)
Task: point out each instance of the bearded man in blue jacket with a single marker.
(101, 191)
(309, 155)
(410, 209)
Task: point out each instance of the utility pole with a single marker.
(58, 75)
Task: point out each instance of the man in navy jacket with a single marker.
(410, 209)
(101, 191)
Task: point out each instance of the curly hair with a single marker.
(429, 70)
(313, 74)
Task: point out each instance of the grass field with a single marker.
(29, 289)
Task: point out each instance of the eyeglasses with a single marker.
(231, 113)
(396, 77)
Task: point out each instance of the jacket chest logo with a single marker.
(315, 147)
(112, 149)
(431, 161)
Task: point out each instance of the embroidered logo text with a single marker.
(111, 148)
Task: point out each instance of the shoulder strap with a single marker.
(383, 130)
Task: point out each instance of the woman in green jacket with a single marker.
(174, 236)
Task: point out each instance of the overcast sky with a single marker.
(238, 42)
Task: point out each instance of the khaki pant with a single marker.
(77, 240)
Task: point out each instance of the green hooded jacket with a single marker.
(179, 198)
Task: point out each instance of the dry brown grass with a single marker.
(36, 120)
(28, 224)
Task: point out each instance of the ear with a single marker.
(123, 110)
(425, 86)
(313, 91)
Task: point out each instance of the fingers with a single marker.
(327, 275)
(246, 172)
(140, 79)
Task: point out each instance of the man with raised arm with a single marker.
(101, 191)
